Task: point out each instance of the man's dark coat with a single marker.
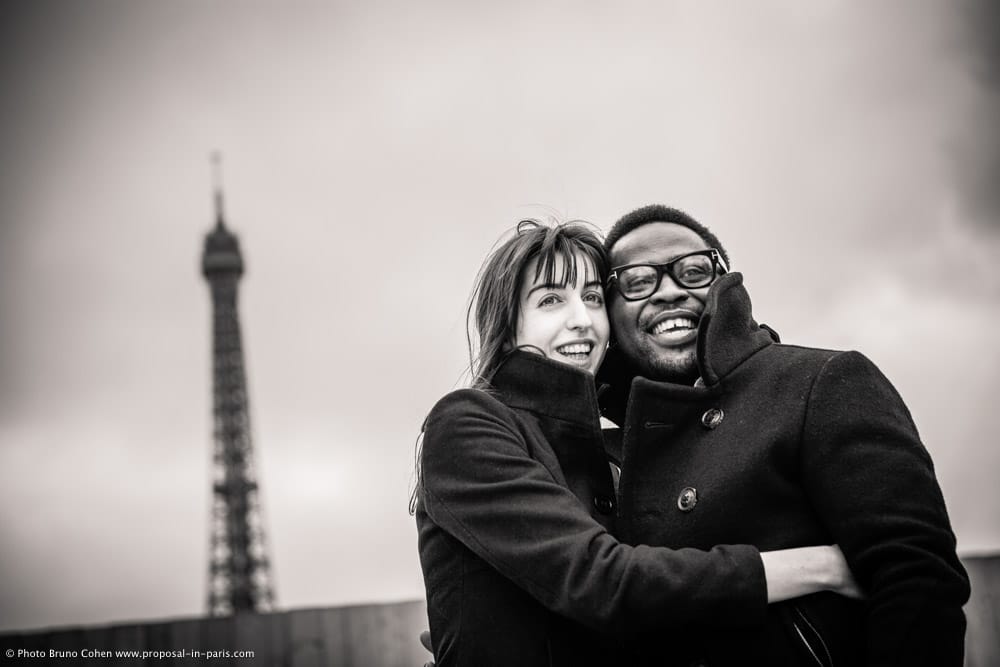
(783, 446)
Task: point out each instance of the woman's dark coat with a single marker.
(516, 498)
(784, 446)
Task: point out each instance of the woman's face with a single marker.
(567, 323)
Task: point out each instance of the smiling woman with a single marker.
(564, 319)
(540, 291)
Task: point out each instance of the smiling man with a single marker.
(656, 321)
(731, 437)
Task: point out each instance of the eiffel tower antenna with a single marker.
(220, 213)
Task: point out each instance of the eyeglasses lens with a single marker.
(693, 271)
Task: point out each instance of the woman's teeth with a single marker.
(575, 349)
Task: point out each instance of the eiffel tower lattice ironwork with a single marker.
(239, 578)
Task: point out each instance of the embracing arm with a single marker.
(873, 483)
(482, 487)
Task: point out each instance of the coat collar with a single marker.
(727, 336)
(529, 381)
(727, 333)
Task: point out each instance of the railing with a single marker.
(380, 635)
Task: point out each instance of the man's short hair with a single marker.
(660, 213)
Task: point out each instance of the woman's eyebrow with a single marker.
(545, 286)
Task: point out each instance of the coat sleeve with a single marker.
(482, 487)
(873, 482)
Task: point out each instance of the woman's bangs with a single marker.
(549, 264)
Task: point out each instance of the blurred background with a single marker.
(846, 154)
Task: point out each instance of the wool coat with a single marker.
(514, 510)
(784, 446)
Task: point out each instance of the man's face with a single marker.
(658, 334)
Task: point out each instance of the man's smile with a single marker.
(673, 327)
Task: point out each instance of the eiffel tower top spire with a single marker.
(220, 216)
(222, 249)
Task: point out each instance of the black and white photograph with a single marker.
(528, 333)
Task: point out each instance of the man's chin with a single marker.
(678, 366)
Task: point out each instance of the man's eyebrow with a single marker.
(651, 262)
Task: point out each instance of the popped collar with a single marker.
(532, 382)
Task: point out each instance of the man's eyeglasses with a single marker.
(691, 271)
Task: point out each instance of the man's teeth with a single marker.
(672, 323)
(575, 348)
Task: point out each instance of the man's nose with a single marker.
(668, 291)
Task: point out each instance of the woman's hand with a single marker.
(843, 582)
(425, 641)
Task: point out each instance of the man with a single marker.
(731, 437)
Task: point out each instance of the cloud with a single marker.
(979, 144)
(983, 24)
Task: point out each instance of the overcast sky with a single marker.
(846, 153)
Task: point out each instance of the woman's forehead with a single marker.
(562, 268)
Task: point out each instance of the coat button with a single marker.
(712, 418)
(688, 499)
(604, 504)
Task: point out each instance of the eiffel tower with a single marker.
(239, 578)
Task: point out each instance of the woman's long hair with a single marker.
(494, 306)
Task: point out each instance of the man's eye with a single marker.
(694, 272)
(633, 282)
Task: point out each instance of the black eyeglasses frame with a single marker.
(718, 268)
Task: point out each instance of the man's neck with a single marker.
(688, 378)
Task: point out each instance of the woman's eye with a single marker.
(594, 297)
(549, 300)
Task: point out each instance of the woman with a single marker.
(515, 500)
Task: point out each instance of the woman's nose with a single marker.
(579, 316)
